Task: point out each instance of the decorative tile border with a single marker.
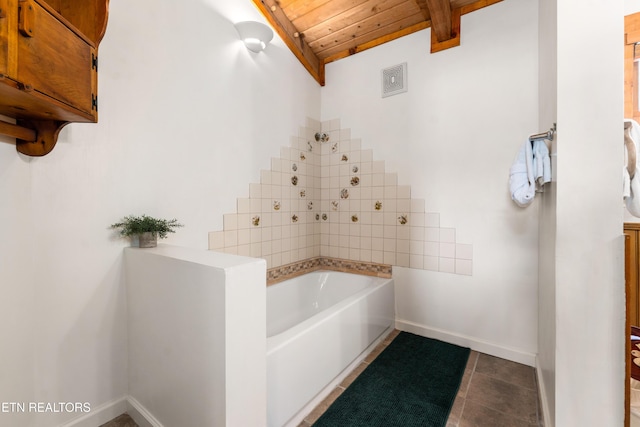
(289, 271)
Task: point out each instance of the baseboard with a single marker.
(110, 410)
(140, 415)
(99, 415)
(542, 393)
(467, 341)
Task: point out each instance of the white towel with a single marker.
(542, 164)
(522, 184)
(631, 190)
(626, 183)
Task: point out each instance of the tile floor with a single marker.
(123, 420)
(493, 392)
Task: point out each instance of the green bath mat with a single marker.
(413, 382)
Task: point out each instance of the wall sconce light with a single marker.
(255, 35)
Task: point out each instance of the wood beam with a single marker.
(454, 40)
(440, 11)
(294, 40)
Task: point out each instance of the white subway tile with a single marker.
(446, 265)
(403, 246)
(432, 249)
(464, 251)
(417, 233)
(432, 234)
(243, 205)
(216, 240)
(403, 232)
(448, 235)
(402, 260)
(431, 263)
(230, 238)
(244, 236)
(432, 219)
(276, 260)
(390, 206)
(230, 221)
(366, 168)
(391, 180)
(447, 250)
(390, 258)
(389, 245)
(377, 194)
(403, 206)
(233, 250)
(416, 247)
(343, 253)
(390, 231)
(244, 250)
(416, 261)
(266, 248)
(390, 191)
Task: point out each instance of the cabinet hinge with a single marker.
(94, 62)
(94, 102)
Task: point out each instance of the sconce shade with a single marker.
(255, 35)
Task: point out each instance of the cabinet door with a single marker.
(54, 59)
(631, 274)
(8, 35)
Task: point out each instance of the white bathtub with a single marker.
(317, 325)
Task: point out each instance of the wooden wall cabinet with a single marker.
(48, 67)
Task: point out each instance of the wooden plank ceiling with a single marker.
(322, 31)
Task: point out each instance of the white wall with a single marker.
(589, 248)
(188, 117)
(581, 268)
(546, 368)
(631, 6)
(453, 137)
(17, 287)
(197, 337)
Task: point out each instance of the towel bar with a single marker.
(544, 135)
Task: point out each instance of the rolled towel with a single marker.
(542, 163)
(521, 177)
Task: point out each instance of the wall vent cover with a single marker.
(394, 80)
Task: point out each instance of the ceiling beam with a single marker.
(295, 41)
(440, 11)
(454, 40)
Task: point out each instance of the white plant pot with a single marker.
(148, 240)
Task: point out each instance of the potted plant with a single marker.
(147, 228)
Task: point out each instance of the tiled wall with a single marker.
(332, 199)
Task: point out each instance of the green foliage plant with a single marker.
(136, 225)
